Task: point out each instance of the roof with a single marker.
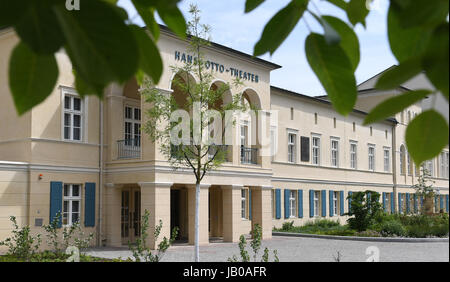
(322, 101)
(228, 49)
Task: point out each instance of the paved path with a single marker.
(302, 250)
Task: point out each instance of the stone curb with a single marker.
(355, 238)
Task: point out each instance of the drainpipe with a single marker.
(100, 188)
(394, 166)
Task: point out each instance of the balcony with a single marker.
(249, 155)
(129, 149)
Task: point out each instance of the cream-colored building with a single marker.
(88, 159)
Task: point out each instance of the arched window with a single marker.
(402, 159)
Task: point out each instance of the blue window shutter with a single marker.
(278, 203)
(408, 201)
(350, 193)
(331, 202)
(392, 203)
(300, 203)
(311, 203)
(400, 208)
(416, 208)
(384, 201)
(324, 203)
(435, 202)
(249, 204)
(341, 196)
(446, 203)
(287, 213)
(441, 206)
(421, 201)
(89, 207)
(56, 192)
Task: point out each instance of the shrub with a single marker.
(392, 228)
(22, 244)
(287, 226)
(365, 208)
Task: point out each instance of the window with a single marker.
(316, 203)
(244, 135)
(73, 118)
(387, 159)
(71, 204)
(293, 203)
(292, 147)
(372, 157)
(402, 160)
(335, 203)
(244, 195)
(335, 152)
(273, 142)
(408, 164)
(132, 126)
(444, 159)
(353, 155)
(316, 150)
(430, 167)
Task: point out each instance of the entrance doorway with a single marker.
(130, 215)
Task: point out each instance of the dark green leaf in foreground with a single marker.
(29, 83)
(391, 106)
(349, 41)
(406, 43)
(101, 47)
(172, 17)
(436, 59)
(421, 12)
(334, 70)
(395, 76)
(426, 136)
(12, 11)
(339, 3)
(149, 58)
(147, 14)
(279, 27)
(250, 5)
(357, 12)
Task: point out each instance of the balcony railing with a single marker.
(249, 155)
(129, 149)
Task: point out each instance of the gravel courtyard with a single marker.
(294, 249)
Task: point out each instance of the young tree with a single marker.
(190, 130)
(424, 188)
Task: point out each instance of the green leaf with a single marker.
(426, 12)
(391, 106)
(394, 77)
(436, 59)
(250, 5)
(173, 18)
(32, 77)
(339, 3)
(12, 11)
(357, 12)
(279, 27)
(406, 43)
(147, 14)
(334, 70)
(39, 28)
(426, 136)
(149, 57)
(331, 35)
(349, 41)
(101, 47)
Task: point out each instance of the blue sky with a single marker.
(233, 28)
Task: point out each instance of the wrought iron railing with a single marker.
(249, 155)
(129, 149)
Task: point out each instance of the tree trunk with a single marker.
(197, 220)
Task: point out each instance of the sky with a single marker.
(235, 29)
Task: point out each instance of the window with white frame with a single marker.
(353, 155)
(71, 204)
(334, 152)
(335, 203)
(316, 150)
(444, 168)
(292, 147)
(132, 126)
(429, 165)
(408, 164)
(402, 159)
(244, 205)
(293, 203)
(387, 159)
(73, 117)
(316, 203)
(371, 157)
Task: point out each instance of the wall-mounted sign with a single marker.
(217, 67)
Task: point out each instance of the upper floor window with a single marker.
(387, 159)
(402, 159)
(335, 152)
(372, 157)
(353, 155)
(408, 164)
(71, 204)
(316, 150)
(444, 159)
(292, 147)
(429, 165)
(73, 118)
(293, 203)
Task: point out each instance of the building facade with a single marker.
(89, 160)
